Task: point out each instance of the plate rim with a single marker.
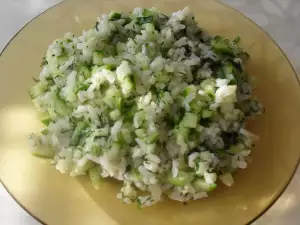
(274, 199)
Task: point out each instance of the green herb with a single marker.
(114, 16)
(44, 62)
(35, 80)
(221, 45)
(237, 39)
(96, 26)
(143, 20)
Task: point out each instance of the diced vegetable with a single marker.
(98, 58)
(38, 89)
(227, 179)
(85, 71)
(77, 133)
(206, 114)
(43, 152)
(114, 16)
(190, 120)
(181, 179)
(201, 185)
(94, 174)
(143, 20)
(62, 59)
(221, 45)
(228, 68)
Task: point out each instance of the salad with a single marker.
(148, 99)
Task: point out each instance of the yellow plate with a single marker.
(58, 199)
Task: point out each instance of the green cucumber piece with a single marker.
(228, 68)
(77, 133)
(183, 131)
(190, 120)
(234, 149)
(61, 107)
(45, 118)
(43, 152)
(140, 133)
(98, 58)
(206, 114)
(94, 174)
(61, 60)
(181, 179)
(152, 138)
(114, 16)
(85, 71)
(227, 179)
(201, 185)
(144, 19)
(220, 44)
(44, 132)
(196, 106)
(84, 168)
(38, 89)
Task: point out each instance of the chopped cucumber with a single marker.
(46, 121)
(196, 106)
(181, 179)
(115, 115)
(227, 179)
(43, 152)
(98, 57)
(44, 132)
(201, 185)
(220, 44)
(127, 86)
(85, 71)
(189, 90)
(222, 152)
(233, 149)
(81, 87)
(143, 20)
(45, 118)
(183, 131)
(38, 89)
(140, 133)
(190, 120)
(152, 138)
(77, 133)
(96, 150)
(206, 114)
(94, 174)
(114, 16)
(83, 169)
(182, 164)
(228, 68)
(61, 107)
(61, 60)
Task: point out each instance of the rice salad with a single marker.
(148, 99)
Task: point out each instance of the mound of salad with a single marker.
(148, 99)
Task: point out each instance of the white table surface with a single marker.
(280, 18)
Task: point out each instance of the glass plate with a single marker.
(58, 199)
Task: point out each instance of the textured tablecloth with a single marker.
(280, 18)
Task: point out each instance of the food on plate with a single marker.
(148, 99)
